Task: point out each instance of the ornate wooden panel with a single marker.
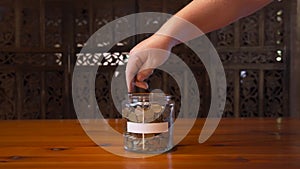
(7, 23)
(40, 41)
(8, 95)
(32, 60)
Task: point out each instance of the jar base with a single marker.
(149, 151)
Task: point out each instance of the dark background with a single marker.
(40, 41)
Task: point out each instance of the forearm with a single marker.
(207, 16)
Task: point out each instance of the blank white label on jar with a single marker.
(147, 127)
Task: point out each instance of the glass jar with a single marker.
(149, 123)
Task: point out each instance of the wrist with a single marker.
(168, 41)
(179, 30)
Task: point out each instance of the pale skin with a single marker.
(207, 15)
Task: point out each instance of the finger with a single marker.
(142, 85)
(144, 74)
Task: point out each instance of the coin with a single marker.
(156, 108)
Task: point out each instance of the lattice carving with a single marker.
(31, 59)
(274, 94)
(103, 91)
(102, 15)
(124, 8)
(150, 23)
(250, 56)
(53, 25)
(269, 56)
(248, 93)
(55, 95)
(187, 55)
(229, 104)
(54, 59)
(82, 21)
(7, 23)
(227, 57)
(6, 58)
(83, 93)
(249, 35)
(225, 36)
(204, 91)
(30, 13)
(32, 96)
(274, 23)
(7, 95)
(102, 59)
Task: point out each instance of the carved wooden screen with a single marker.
(40, 41)
(255, 53)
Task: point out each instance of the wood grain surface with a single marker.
(237, 143)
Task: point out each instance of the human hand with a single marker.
(145, 57)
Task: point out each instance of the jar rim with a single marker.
(145, 96)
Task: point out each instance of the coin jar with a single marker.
(149, 122)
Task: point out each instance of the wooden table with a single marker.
(237, 143)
